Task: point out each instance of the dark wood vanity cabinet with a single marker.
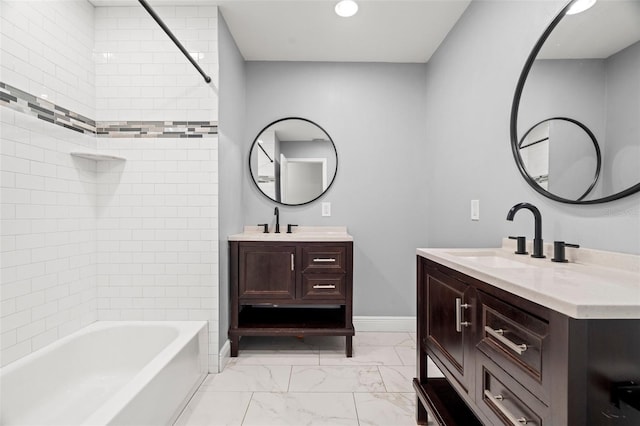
(448, 325)
(291, 289)
(266, 272)
(509, 361)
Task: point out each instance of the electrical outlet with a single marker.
(326, 209)
(475, 209)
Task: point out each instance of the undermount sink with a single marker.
(492, 259)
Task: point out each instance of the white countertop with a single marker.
(299, 233)
(594, 284)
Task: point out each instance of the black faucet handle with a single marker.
(558, 251)
(289, 228)
(521, 244)
(266, 227)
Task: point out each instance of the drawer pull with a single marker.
(499, 334)
(329, 286)
(324, 260)
(459, 307)
(496, 400)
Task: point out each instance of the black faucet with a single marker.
(537, 240)
(277, 213)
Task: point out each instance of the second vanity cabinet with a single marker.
(510, 361)
(291, 288)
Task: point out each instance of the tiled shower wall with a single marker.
(133, 239)
(141, 74)
(157, 212)
(47, 50)
(48, 198)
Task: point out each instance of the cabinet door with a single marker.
(267, 272)
(449, 308)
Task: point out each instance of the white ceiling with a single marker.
(605, 29)
(309, 30)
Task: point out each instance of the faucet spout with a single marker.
(537, 217)
(277, 213)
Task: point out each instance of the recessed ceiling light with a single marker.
(346, 8)
(580, 6)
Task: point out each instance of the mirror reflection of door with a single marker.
(293, 161)
(302, 179)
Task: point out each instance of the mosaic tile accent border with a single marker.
(157, 129)
(27, 103)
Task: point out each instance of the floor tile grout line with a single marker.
(244, 416)
(355, 407)
(382, 379)
(290, 376)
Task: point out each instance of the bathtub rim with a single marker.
(187, 330)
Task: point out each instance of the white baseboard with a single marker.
(224, 356)
(388, 324)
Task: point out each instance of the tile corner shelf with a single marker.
(97, 157)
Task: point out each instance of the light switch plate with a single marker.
(475, 209)
(326, 209)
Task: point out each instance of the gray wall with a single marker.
(415, 143)
(573, 88)
(470, 85)
(231, 158)
(622, 150)
(375, 115)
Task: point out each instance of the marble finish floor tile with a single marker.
(277, 343)
(406, 354)
(336, 379)
(309, 381)
(215, 409)
(385, 409)
(295, 409)
(369, 338)
(398, 378)
(363, 355)
(276, 357)
(239, 378)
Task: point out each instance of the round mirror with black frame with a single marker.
(562, 156)
(584, 71)
(293, 161)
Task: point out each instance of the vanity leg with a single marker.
(234, 341)
(349, 346)
(421, 413)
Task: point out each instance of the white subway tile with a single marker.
(15, 320)
(30, 330)
(15, 352)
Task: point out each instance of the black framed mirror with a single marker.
(583, 71)
(293, 161)
(562, 156)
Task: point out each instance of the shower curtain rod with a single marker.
(175, 40)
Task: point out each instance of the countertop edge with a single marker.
(543, 299)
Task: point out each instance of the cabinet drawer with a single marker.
(514, 336)
(505, 401)
(323, 286)
(324, 259)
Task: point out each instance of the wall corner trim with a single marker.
(224, 356)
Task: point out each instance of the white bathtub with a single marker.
(109, 373)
